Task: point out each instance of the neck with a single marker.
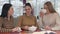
(48, 12)
(28, 14)
(8, 17)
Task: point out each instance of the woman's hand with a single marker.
(25, 27)
(18, 29)
(41, 14)
(48, 28)
(14, 29)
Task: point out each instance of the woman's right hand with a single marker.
(48, 28)
(16, 29)
(25, 27)
(41, 14)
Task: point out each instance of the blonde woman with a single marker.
(50, 20)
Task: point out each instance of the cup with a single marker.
(32, 28)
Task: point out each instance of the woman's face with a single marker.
(28, 9)
(11, 11)
(46, 7)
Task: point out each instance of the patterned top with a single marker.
(6, 25)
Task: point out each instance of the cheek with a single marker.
(28, 11)
(8, 12)
(11, 12)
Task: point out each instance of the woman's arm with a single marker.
(57, 26)
(18, 25)
(20, 21)
(36, 23)
(40, 23)
(6, 30)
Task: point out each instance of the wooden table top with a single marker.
(24, 32)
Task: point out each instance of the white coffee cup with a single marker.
(19, 29)
(43, 10)
(32, 28)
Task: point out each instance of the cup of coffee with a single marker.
(32, 28)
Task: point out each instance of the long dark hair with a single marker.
(5, 10)
(28, 4)
(50, 7)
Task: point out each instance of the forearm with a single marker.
(5, 30)
(56, 28)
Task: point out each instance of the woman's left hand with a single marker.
(16, 29)
(48, 28)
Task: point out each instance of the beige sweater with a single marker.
(52, 20)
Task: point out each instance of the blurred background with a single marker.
(36, 4)
(18, 6)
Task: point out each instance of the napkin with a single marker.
(18, 29)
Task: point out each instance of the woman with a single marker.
(6, 18)
(50, 20)
(27, 20)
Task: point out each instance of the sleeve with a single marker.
(36, 24)
(6, 30)
(57, 26)
(20, 21)
(0, 24)
(40, 23)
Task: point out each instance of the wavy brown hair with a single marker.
(50, 7)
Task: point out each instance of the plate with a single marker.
(44, 32)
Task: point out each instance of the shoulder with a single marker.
(34, 17)
(1, 18)
(21, 17)
(56, 14)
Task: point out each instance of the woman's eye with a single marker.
(27, 9)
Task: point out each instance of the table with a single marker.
(58, 32)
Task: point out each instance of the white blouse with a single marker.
(52, 20)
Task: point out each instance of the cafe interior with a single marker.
(18, 7)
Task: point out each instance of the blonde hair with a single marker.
(50, 7)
